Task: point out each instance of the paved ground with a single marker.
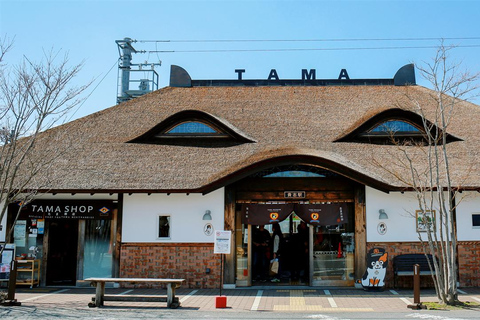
(65, 302)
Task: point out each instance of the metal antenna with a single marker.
(129, 73)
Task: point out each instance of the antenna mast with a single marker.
(129, 73)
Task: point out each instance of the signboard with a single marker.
(294, 194)
(66, 209)
(222, 242)
(374, 276)
(6, 259)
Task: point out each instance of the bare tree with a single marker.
(34, 97)
(425, 168)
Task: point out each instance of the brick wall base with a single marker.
(468, 263)
(187, 261)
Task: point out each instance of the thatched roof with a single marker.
(287, 124)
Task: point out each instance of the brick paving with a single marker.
(271, 299)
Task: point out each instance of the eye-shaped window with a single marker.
(395, 127)
(194, 128)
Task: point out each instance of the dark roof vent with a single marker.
(405, 76)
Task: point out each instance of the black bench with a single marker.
(403, 265)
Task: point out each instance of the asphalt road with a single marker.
(113, 313)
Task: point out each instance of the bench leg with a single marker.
(99, 294)
(171, 301)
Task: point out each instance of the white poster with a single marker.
(222, 242)
(20, 232)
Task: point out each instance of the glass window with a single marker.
(98, 249)
(394, 126)
(476, 220)
(164, 227)
(294, 174)
(192, 127)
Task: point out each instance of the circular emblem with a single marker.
(314, 215)
(208, 229)
(382, 228)
(274, 215)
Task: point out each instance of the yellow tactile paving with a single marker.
(297, 303)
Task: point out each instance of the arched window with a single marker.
(192, 128)
(396, 127)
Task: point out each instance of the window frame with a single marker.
(217, 134)
(477, 214)
(159, 237)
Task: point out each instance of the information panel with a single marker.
(222, 242)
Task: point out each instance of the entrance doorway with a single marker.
(308, 254)
(286, 195)
(62, 252)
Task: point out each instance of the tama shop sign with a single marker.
(65, 209)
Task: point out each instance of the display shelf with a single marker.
(28, 272)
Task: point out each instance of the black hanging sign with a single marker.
(324, 214)
(262, 214)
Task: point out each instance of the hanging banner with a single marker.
(325, 214)
(262, 214)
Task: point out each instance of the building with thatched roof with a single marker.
(140, 188)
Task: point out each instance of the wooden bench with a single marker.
(100, 297)
(403, 265)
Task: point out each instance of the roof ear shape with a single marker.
(405, 76)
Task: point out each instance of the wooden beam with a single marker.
(310, 195)
(229, 267)
(117, 224)
(360, 232)
(80, 248)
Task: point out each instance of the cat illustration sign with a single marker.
(374, 277)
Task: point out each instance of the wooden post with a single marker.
(360, 232)
(99, 293)
(117, 241)
(10, 300)
(229, 266)
(416, 283)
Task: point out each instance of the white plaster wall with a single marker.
(401, 225)
(141, 211)
(468, 203)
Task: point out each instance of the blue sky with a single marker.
(87, 30)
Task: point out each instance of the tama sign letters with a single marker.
(306, 74)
